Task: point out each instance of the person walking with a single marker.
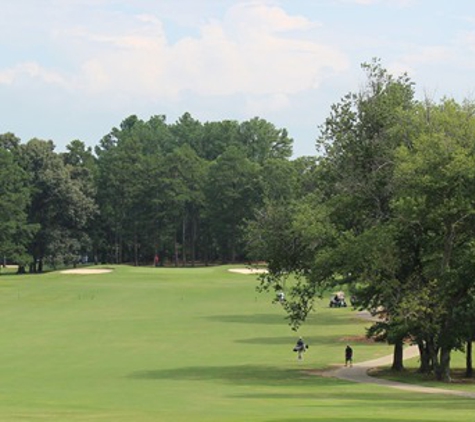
(300, 348)
(348, 355)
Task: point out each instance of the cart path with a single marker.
(359, 373)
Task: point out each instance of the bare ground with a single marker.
(248, 270)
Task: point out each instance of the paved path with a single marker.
(359, 373)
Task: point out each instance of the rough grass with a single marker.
(161, 344)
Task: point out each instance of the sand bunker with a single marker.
(249, 270)
(87, 271)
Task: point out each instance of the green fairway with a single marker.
(157, 344)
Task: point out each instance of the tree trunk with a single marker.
(398, 357)
(468, 360)
(136, 250)
(183, 240)
(444, 367)
(176, 250)
(117, 245)
(32, 268)
(434, 359)
(233, 245)
(425, 365)
(193, 241)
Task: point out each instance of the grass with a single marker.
(412, 376)
(159, 344)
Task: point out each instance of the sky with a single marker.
(74, 69)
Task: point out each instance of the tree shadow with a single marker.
(276, 319)
(292, 384)
(303, 386)
(264, 319)
(290, 340)
(269, 341)
(353, 419)
(238, 374)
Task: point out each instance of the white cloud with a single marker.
(418, 58)
(260, 17)
(391, 3)
(428, 55)
(467, 38)
(258, 105)
(217, 64)
(399, 68)
(7, 76)
(254, 49)
(34, 71)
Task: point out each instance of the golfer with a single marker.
(348, 355)
(300, 348)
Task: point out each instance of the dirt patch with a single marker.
(326, 373)
(367, 316)
(84, 271)
(248, 270)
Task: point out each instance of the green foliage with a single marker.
(390, 211)
(183, 191)
(61, 204)
(435, 193)
(15, 231)
(263, 141)
(233, 192)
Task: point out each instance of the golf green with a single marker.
(166, 344)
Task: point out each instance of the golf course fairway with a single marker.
(179, 344)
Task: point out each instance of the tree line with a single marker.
(180, 192)
(390, 214)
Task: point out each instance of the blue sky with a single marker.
(73, 69)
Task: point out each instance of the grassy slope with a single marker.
(146, 344)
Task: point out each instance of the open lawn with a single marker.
(158, 344)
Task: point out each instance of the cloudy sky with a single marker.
(73, 69)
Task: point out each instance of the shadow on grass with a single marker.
(269, 341)
(290, 340)
(353, 419)
(322, 391)
(276, 319)
(319, 393)
(239, 374)
(265, 319)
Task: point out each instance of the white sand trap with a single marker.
(87, 271)
(248, 270)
